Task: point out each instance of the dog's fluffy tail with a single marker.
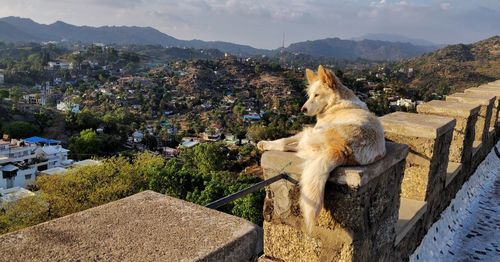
(313, 180)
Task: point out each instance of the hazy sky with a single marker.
(261, 23)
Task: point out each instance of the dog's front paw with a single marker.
(262, 145)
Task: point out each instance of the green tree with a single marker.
(23, 213)
(257, 132)
(206, 157)
(20, 129)
(86, 145)
(150, 142)
(41, 119)
(15, 95)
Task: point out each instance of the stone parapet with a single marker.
(489, 91)
(484, 117)
(144, 227)
(357, 223)
(429, 139)
(464, 132)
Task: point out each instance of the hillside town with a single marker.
(125, 103)
(69, 112)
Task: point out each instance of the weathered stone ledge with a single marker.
(410, 211)
(414, 125)
(452, 109)
(353, 176)
(357, 223)
(452, 171)
(144, 227)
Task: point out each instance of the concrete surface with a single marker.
(452, 171)
(410, 211)
(353, 176)
(446, 108)
(147, 226)
(417, 125)
(485, 113)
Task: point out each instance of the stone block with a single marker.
(495, 87)
(410, 229)
(429, 139)
(452, 171)
(357, 222)
(496, 107)
(453, 179)
(410, 211)
(484, 117)
(490, 142)
(477, 154)
(464, 131)
(144, 227)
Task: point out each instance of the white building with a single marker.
(188, 142)
(32, 99)
(18, 164)
(13, 194)
(137, 136)
(21, 161)
(2, 79)
(64, 170)
(56, 155)
(60, 65)
(403, 102)
(68, 107)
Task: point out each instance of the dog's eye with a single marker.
(316, 95)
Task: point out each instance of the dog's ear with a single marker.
(311, 76)
(327, 77)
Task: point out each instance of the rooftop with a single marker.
(37, 139)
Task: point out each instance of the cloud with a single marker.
(445, 6)
(261, 22)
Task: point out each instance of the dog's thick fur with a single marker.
(346, 132)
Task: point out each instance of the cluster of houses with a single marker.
(213, 134)
(21, 161)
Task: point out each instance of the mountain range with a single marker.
(395, 38)
(455, 66)
(16, 29)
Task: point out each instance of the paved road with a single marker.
(469, 229)
(480, 239)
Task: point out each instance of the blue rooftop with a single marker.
(252, 117)
(37, 139)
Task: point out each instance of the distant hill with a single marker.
(363, 49)
(455, 67)
(9, 33)
(15, 29)
(396, 38)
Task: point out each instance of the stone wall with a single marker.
(359, 219)
(385, 217)
(144, 227)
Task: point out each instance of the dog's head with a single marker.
(323, 90)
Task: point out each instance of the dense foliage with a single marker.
(198, 175)
(20, 129)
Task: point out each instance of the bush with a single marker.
(21, 129)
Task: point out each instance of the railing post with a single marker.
(357, 223)
(482, 131)
(461, 147)
(429, 139)
(494, 91)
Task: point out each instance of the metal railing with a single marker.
(255, 187)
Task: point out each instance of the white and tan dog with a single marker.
(346, 132)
